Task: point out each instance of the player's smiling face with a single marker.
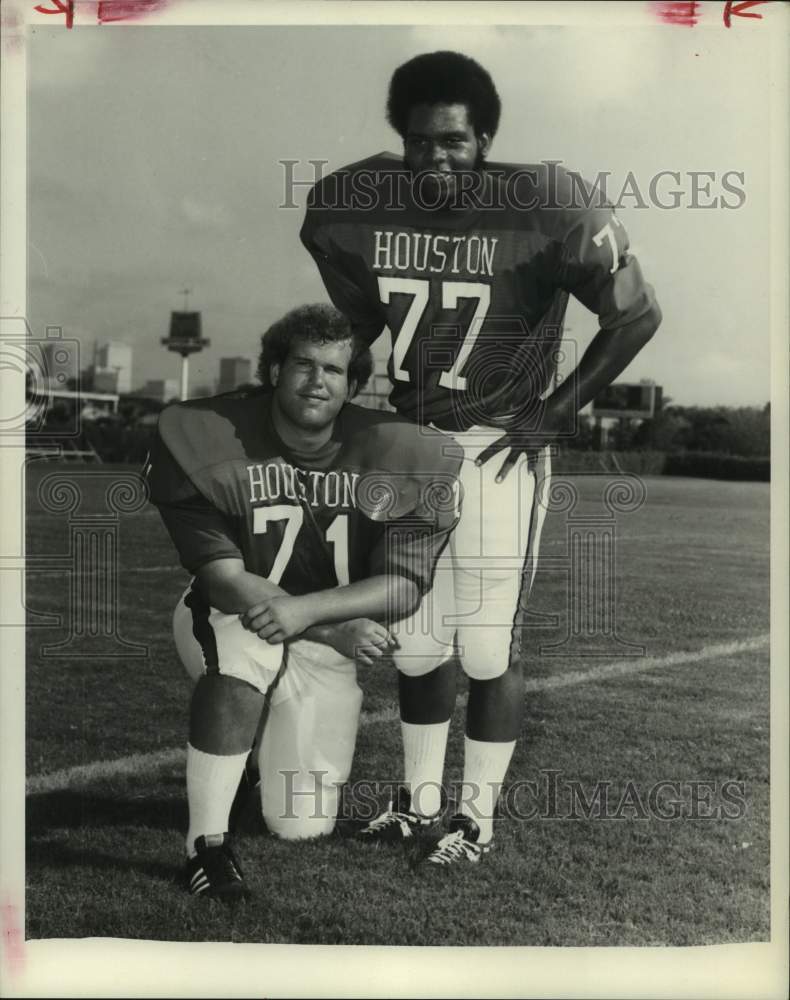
(312, 384)
(440, 144)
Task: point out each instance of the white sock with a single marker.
(423, 764)
(485, 766)
(212, 781)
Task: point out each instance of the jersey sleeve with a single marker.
(366, 318)
(412, 487)
(410, 547)
(199, 531)
(598, 270)
(412, 542)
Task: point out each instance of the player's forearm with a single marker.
(230, 588)
(609, 353)
(327, 634)
(379, 598)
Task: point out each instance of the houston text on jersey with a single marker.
(274, 481)
(436, 254)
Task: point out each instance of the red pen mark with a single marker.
(127, 10)
(677, 13)
(740, 10)
(107, 11)
(13, 940)
(61, 7)
(13, 38)
(10, 19)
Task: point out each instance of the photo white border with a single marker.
(110, 967)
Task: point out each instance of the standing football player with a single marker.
(313, 528)
(470, 264)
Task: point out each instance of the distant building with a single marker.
(233, 372)
(113, 357)
(161, 389)
(106, 380)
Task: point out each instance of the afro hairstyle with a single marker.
(443, 78)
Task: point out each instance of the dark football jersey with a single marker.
(474, 298)
(380, 497)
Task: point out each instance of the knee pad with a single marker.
(305, 805)
(306, 752)
(412, 663)
(427, 638)
(484, 652)
(487, 608)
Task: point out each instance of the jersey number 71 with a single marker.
(336, 534)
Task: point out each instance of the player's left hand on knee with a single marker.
(278, 619)
(364, 640)
(371, 633)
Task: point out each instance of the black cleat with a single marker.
(214, 871)
(398, 823)
(459, 844)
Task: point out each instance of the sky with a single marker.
(154, 158)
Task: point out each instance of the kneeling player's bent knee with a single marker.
(209, 641)
(304, 806)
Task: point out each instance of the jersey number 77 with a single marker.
(452, 292)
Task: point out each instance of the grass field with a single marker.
(105, 736)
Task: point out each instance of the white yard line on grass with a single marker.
(147, 762)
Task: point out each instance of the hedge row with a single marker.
(703, 464)
(118, 443)
(115, 443)
(642, 463)
(712, 465)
